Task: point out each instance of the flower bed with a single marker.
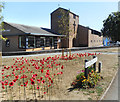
(90, 82)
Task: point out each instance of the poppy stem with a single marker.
(34, 91)
(24, 89)
(19, 92)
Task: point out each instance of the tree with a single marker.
(111, 26)
(1, 21)
(63, 23)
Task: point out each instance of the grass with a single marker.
(99, 90)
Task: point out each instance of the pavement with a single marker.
(112, 93)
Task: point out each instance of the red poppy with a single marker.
(32, 82)
(6, 82)
(3, 87)
(51, 81)
(11, 84)
(3, 77)
(2, 83)
(40, 78)
(2, 69)
(62, 67)
(2, 73)
(16, 77)
(45, 92)
(14, 80)
(25, 84)
(41, 70)
(49, 78)
(43, 81)
(38, 87)
(61, 72)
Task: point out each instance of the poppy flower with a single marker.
(38, 87)
(2, 73)
(2, 83)
(2, 70)
(14, 80)
(6, 82)
(3, 87)
(16, 77)
(61, 72)
(25, 84)
(43, 81)
(11, 84)
(40, 78)
(51, 81)
(45, 92)
(41, 70)
(62, 67)
(3, 77)
(32, 82)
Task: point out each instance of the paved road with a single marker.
(57, 53)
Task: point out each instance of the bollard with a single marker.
(99, 67)
(86, 70)
(94, 65)
(63, 52)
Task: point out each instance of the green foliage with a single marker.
(82, 82)
(63, 22)
(111, 26)
(99, 90)
(1, 21)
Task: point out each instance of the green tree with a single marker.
(1, 21)
(111, 26)
(63, 23)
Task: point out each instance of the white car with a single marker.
(118, 43)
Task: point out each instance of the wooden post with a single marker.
(63, 52)
(99, 67)
(94, 65)
(70, 52)
(67, 51)
(86, 70)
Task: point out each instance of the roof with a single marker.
(93, 31)
(65, 10)
(32, 30)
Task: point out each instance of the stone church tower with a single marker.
(69, 27)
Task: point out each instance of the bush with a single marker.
(82, 82)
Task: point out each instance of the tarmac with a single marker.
(52, 50)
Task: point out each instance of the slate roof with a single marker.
(32, 30)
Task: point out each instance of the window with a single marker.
(7, 43)
(94, 40)
(91, 40)
(74, 16)
(74, 26)
(37, 42)
(31, 41)
(42, 41)
(51, 41)
(22, 41)
(47, 42)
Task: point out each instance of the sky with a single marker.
(91, 14)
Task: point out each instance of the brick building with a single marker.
(28, 38)
(78, 35)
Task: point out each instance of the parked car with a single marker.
(112, 43)
(118, 43)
